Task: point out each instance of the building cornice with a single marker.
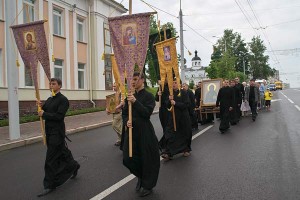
(119, 7)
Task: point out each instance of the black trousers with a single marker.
(253, 106)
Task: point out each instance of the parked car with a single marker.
(272, 87)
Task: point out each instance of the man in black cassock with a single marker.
(178, 141)
(145, 160)
(235, 113)
(252, 96)
(242, 92)
(163, 111)
(60, 164)
(193, 117)
(225, 100)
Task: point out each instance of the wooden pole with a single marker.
(129, 103)
(174, 119)
(159, 97)
(37, 93)
(130, 7)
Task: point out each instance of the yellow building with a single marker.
(78, 35)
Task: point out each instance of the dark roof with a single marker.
(196, 57)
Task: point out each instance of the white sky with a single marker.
(210, 18)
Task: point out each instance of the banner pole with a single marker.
(129, 103)
(37, 93)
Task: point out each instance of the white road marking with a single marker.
(274, 100)
(287, 98)
(130, 177)
(290, 101)
(297, 107)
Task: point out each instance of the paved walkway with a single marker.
(31, 132)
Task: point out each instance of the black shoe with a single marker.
(138, 185)
(253, 119)
(144, 192)
(75, 172)
(45, 192)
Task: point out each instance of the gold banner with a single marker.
(167, 58)
(116, 74)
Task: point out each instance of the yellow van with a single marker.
(278, 85)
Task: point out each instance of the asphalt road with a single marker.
(254, 160)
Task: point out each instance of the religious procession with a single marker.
(183, 108)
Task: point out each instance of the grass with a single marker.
(33, 118)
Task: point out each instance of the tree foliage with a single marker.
(232, 57)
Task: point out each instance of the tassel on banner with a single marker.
(17, 63)
(52, 93)
(103, 57)
(53, 59)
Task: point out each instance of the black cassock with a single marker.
(59, 164)
(179, 141)
(163, 111)
(193, 116)
(235, 113)
(225, 100)
(145, 161)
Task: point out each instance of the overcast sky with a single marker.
(280, 20)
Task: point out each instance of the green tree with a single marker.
(259, 67)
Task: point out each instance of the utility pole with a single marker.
(181, 47)
(244, 65)
(12, 73)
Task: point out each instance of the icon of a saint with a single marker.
(129, 37)
(167, 53)
(30, 44)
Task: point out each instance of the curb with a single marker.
(32, 140)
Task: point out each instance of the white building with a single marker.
(78, 35)
(195, 73)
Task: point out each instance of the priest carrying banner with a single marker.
(129, 35)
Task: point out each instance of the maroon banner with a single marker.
(129, 36)
(32, 44)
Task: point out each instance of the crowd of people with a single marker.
(179, 116)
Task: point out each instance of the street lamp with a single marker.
(224, 41)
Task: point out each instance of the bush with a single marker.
(33, 118)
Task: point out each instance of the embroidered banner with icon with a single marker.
(32, 44)
(129, 36)
(168, 62)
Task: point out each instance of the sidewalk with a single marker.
(31, 132)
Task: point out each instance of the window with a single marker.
(58, 69)
(28, 77)
(28, 12)
(108, 73)
(107, 37)
(57, 22)
(81, 76)
(80, 29)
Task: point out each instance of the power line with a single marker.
(177, 18)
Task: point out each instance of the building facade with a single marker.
(195, 73)
(78, 37)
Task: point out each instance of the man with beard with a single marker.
(178, 141)
(60, 164)
(145, 160)
(191, 109)
(225, 100)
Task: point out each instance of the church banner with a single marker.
(117, 75)
(168, 62)
(129, 36)
(32, 44)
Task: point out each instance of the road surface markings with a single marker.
(130, 177)
(287, 98)
(274, 100)
(297, 107)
